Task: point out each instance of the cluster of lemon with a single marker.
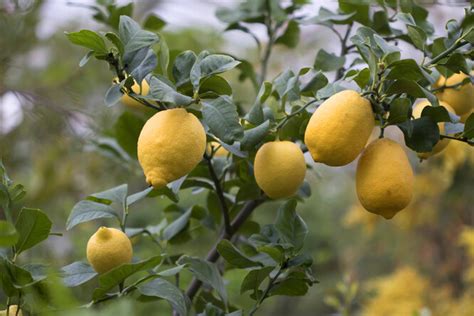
(173, 142)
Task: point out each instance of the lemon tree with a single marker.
(183, 129)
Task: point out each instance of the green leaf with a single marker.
(33, 226)
(88, 39)
(113, 95)
(8, 234)
(287, 85)
(154, 23)
(456, 63)
(177, 225)
(290, 225)
(163, 289)
(163, 92)
(328, 62)
(316, 83)
(290, 287)
(140, 65)
(326, 16)
(14, 277)
(211, 65)
(255, 135)
(114, 39)
(469, 127)
(362, 78)
(85, 211)
(164, 56)
(417, 36)
(86, 58)
(255, 115)
(127, 129)
(112, 278)
(406, 69)
(133, 37)
(436, 113)
(116, 195)
(206, 272)
(77, 273)
(134, 198)
(214, 86)
(254, 278)
(420, 134)
(222, 118)
(291, 36)
(234, 256)
(182, 67)
(400, 110)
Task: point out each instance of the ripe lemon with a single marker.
(143, 90)
(220, 152)
(442, 143)
(170, 145)
(12, 311)
(279, 168)
(339, 129)
(461, 99)
(384, 178)
(108, 248)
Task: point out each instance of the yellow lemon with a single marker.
(279, 168)
(384, 178)
(170, 145)
(108, 248)
(442, 143)
(13, 310)
(143, 90)
(339, 129)
(461, 99)
(463, 118)
(220, 152)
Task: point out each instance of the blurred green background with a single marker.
(53, 120)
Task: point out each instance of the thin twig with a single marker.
(289, 116)
(344, 49)
(459, 139)
(267, 290)
(452, 48)
(268, 48)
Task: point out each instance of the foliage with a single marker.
(272, 257)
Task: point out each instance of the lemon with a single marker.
(461, 99)
(442, 143)
(143, 90)
(12, 311)
(108, 248)
(279, 168)
(170, 145)
(384, 178)
(220, 152)
(339, 129)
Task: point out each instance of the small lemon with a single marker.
(108, 248)
(13, 310)
(461, 99)
(384, 178)
(442, 143)
(170, 145)
(279, 168)
(339, 129)
(143, 90)
(220, 152)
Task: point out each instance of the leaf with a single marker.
(254, 278)
(326, 16)
(400, 111)
(290, 287)
(113, 95)
(469, 127)
(113, 277)
(177, 225)
(85, 211)
(133, 37)
(163, 92)
(287, 85)
(316, 83)
(420, 134)
(362, 78)
(141, 64)
(127, 129)
(214, 86)
(182, 67)
(206, 272)
(77, 273)
(116, 195)
(290, 37)
(255, 115)
(154, 23)
(211, 65)
(8, 234)
(289, 224)
(436, 113)
(406, 69)
(86, 58)
(417, 36)
(255, 135)
(132, 199)
(456, 63)
(222, 118)
(33, 226)
(88, 39)
(234, 256)
(114, 39)
(167, 291)
(327, 61)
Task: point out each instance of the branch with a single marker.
(265, 293)
(454, 86)
(213, 255)
(220, 195)
(287, 118)
(268, 49)
(452, 48)
(344, 49)
(462, 139)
